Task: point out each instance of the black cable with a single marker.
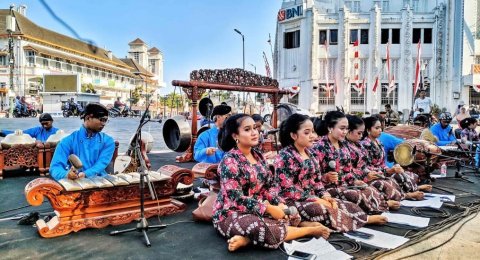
(430, 212)
(441, 244)
(22, 207)
(355, 247)
(91, 44)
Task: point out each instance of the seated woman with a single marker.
(246, 192)
(376, 162)
(336, 166)
(468, 132)
(362, 175)
(297, 174)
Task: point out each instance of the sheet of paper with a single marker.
(379, 239)
(406, 219)
(437, 176)
(443, 197)
(435, 203)
(316, 246)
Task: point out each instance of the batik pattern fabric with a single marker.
(339, 160)
(387, 186)
(240, 206)
(469, 134)
(376, 162)
(299, 185)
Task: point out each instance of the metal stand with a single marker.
(458, 173)
(142, 225)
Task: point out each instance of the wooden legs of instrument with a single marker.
(59, 226)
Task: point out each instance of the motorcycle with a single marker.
(31, 112)
(68, 110)
(127, 112)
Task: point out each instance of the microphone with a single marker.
(272, 131)
(332, 164)
(290, 211)
(75, 162)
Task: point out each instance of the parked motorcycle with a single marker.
(127, 112)
(31, 112)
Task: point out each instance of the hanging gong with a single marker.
(204, 106)
(177, 133)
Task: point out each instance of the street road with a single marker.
(121, 129)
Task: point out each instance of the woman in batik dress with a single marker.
(336, 168)
(376, 161)
(297, 174)
(388, 187)
(246, 193)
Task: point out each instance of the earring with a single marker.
(236, 141)
(330, 131)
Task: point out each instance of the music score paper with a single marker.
(379, 239)
(435, 203)
(316, 246)
(407, 219)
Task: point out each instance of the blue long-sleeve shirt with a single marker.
(445, 136)
(389, 143)
(95, 153)
(205, 140)
(38, 132)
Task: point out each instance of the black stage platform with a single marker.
(183, 239)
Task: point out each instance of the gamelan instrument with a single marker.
(418, 156)
(405, 131)
(101, 201)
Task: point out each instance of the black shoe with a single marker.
(29, 219)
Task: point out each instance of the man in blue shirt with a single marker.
(206, 148)
(93, 148)
(389, 143)
(41, 133)
(22, 108)
(443, 131)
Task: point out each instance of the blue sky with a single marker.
(192, 34)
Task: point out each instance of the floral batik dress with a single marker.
(240, 207)
(338, 160)
(387, 186)
(299, 185)
(376, 162)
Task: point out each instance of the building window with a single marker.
(79, 69)
(45, 62)
(356, 7)
(326, 97)
(474, 97)
(333, 37)
(292, 40)
(395, 36)
(3, 60)
(417, 34)
(427, 35)
(355, 97)
(89, 72)
(391, 99)
(58, 65)
(385, 36)
(136, 56)
(386, 6)
(377, 3)
(68, 67)
(364, 36)
(323, 37)
(353, 36)
(153, 66)
(104, 75)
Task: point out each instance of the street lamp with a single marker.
(243, 52)
(254, 67)
(243, 46)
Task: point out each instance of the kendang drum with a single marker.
(405, 131)
(418, 156)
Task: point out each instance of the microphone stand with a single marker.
(142, 225)
(458, 173)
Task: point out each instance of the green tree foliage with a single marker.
(136, 94)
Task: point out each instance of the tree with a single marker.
(136, 93)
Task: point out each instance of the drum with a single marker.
(416, 151)
(405, 131)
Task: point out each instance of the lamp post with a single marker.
(254, 67)
(11, 61)
(243, 54)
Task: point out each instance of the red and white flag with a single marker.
(375, 85)
(362, 87)
(391, 78)
(356, 66)
(327, 68)
(417, 69)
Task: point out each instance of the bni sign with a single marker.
(286, 14)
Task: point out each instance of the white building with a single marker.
(471, 52)
(301, 55)
(36, 51)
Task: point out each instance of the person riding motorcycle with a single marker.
(20, 106)
(72, 106)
